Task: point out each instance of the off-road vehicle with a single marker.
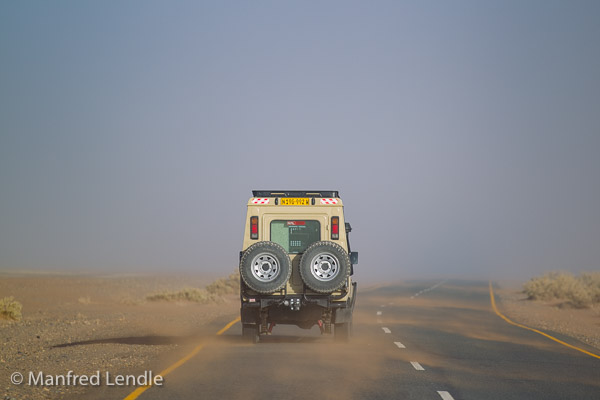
(296, 266)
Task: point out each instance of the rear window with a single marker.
(295, 235)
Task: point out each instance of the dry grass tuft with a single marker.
(580, 292)
(10, 309)
(187, 294)
(211, 294)
(229, 285)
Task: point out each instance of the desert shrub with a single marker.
(211, 294)
(187, 294)
(581, 291)
(228, 285)
(592, 281)
(10, 309)
(131, 301)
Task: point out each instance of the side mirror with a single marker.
(354, 257)
(348, 227)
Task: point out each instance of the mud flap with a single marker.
(250, 315)
(342, 315)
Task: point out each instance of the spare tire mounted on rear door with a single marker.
(325, 267)
(265, 267)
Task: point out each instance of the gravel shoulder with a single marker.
(556, 316)
(121, 331)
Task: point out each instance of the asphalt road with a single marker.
(418, 340)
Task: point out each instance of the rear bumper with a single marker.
(296, 309)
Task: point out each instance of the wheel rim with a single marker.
(265, 267)
(325, 267)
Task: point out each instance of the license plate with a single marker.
(295, 201)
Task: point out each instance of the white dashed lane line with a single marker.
(417, 366)
(445, 395)
(427, 290)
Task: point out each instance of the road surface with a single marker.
(417, 340)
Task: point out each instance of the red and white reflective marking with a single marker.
(329, 201)
(260, 201)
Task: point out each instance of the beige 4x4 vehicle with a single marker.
(296, 265)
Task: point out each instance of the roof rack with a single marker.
(296, 193)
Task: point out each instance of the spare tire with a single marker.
(325, 267)
(265, 267)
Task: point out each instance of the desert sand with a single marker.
(104, 323)
(90, 323)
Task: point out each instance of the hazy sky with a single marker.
(464, 137)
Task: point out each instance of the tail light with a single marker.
(335, 228)
(253, 227)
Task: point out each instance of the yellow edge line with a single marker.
(493, 300)
(135, 394)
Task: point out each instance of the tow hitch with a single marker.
(294, 304)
